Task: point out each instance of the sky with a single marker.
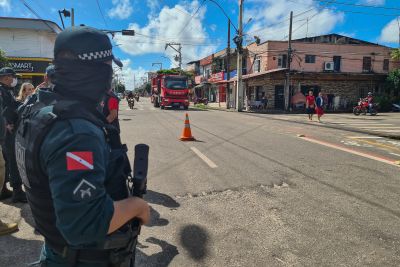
(201, 26)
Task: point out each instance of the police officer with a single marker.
(67, 162)
(8, 80)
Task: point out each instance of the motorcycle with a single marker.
(131, 103)
(201, 101)
(137, 98)
(363, 107)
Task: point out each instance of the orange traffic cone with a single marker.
(187, 133)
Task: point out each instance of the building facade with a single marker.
(28, 45)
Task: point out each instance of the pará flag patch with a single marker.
(77, 161)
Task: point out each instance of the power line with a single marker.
(35, 13)
(191, 17)
(357, 5)
(101, 12)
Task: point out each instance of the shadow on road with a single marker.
(161, 199)
(155, 219)
(194, 239)
(160, 259)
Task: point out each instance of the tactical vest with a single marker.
(35, 123)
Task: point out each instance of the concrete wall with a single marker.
(351, 62)
(27, 43)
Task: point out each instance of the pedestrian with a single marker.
(319, 101)
(70, 167)
(264, 101)
(5, 228)
(47, 84)
(110, 109)
(310, 105)
(8, 80)
(25, 91)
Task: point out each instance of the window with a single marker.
(336, 63)
(257, 65)
(310, 58)
(367, 64)
(386, 64)
(282, 61)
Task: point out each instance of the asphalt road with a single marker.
(253, 191)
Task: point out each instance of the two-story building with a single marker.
(28, 45)
(343, 68)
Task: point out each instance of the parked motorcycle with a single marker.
(131, 103)
(201, 101)
(364, 107)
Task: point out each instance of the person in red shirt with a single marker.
(110, 109)
(310, 105)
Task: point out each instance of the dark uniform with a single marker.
(10, 106)
(71, 162)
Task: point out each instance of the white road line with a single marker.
(369, 124)
(209, 162)
(380, 127)
(387, 131)
(383, 160)
(364, 137)
(394, 154)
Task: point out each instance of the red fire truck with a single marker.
(170, 90)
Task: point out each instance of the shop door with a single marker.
(279, 97)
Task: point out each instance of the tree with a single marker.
(393, 81)
(120, 88)
(396, 54)
(3, 59)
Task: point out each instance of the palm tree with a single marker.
(396, 54)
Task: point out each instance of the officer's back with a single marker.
(68, 188)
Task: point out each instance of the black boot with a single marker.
(5, 193)
(19, 196)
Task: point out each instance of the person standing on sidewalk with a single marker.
(5, 228)
(319, 101)
(310, 105)
(8, 80)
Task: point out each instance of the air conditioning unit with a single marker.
(329, 66)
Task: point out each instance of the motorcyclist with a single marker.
(370, 100)
(130, 98)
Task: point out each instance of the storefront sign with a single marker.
(29, 66)
(217, 77)
(232, 74)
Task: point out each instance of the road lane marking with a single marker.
(208, 161)
(386, 131)
(351, 151)
(380, 145)
(364, 137)
(394, 154)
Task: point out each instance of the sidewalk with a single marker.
(384, 124)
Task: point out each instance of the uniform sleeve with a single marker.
(76, 167)
(112, 103)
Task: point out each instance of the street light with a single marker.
(66, 14)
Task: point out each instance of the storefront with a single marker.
(32, 70)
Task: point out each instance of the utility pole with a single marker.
(179, 51)
(239, 41)
(72, 17)
(398, 24)
(228, 62)
(289, 59)
(134, 82)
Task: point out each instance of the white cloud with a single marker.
(390, 33)
(270, 19)
(213, 27)
(153, 4)
(373, 2)
(122, 9)
(170, 25)
(130, 76)
(5, 5)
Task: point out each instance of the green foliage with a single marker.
(3, 59)
(384, 102)
(176, 72)
(120, 88)
(393, 80)
(396, 54)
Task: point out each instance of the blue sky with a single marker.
(202, 28)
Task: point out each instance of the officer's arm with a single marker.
(76, 166)
(112, 116)
(127, 209)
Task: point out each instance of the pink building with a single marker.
(341, 67)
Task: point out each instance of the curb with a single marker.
(349, 129)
